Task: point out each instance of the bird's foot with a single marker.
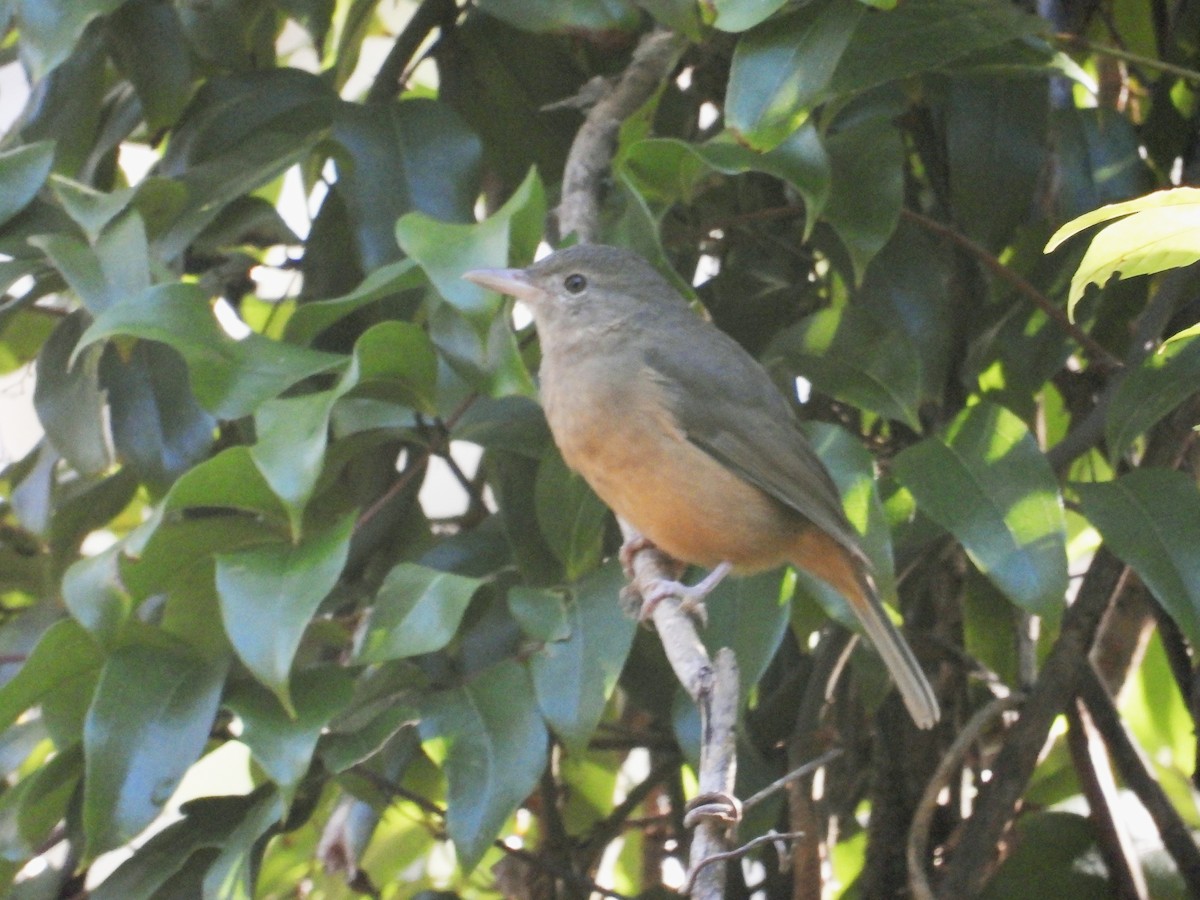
(691, 597)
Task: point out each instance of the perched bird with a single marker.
(684, 435)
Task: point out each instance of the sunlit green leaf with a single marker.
(1151, 519)
(1147, 393)
(986, 482)
(495, 747)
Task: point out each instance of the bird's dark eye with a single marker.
(575, 283)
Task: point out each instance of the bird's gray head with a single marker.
(591, 285)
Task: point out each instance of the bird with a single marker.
(684, 435)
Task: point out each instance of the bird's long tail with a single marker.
(828, 560)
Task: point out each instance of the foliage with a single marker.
(242, 646)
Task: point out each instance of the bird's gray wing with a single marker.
(728, 406)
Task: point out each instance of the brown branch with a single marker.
(611, 826)
(1003, 272)
(590, 157)
(795, 775)
(917, 849)
(774, 838)
(1135, 771)
(1096, 780)
(971, 865)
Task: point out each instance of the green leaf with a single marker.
(494, 745)
(396, 361)
(554, 15)
(739, 15)
(234, 873)
(214, 823)
(80, 267)
(783, 68)
(50, 28)
(750, 616)
(93, 592)
(445, 250)
(229, 480)
(158, 427)
(416, 610)
(148, 723)
(290, 452)
(541, 612)
(230, 378)
(986, 482)
(1160, 231)
(269, 594)
(64, 654)
(413, 155)
(283, 744)
(310, 319)
(1148, 393)
(1150, 518)
(89, 208)
(571, 517)
(23, 171)
(70, 401)
(573, 678)
(666, 170)
(868, 187)
(149, 45)
(851, 355)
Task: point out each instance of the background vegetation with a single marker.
(222, 583)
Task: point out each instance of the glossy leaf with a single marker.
(230, 378)
(283, 744)
(416, 610)
(64, 653)
(494, 747)
(986, 482)
(574, 677)
(783, 68)
(23, 171)
(312, 318)
(50, 28)
(851, 355)
(150, 45)
(445, 250)
(268, 595)
(70, 401)
(1156, 232)
(147, 724)
(1149, 392)
(572, 518)
(1150, 518)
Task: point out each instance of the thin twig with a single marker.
(1149, 62)
(773, 838)
(1057, 315)
(918, 835)
(795, 775)
(1135, 771)
(1094, 771)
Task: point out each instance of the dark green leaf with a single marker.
(231, 378)
(312, 318)
(149, 45)
(268, 595)
(415, 155)
(70, 401)
(1163, 381)
(868, 188)
(65, 653)
(573, 678)
(986, 482)
(23, 171)
(445, 250)
(292, 435)
(541, 612)
(396, 361)
(494, 745)
(851, 355)
(158, 427)
(783, 68)
(549, 15)
(80, 267)
(50, 28)
(283, 744)
(738, 15)
(750, 616)
(148, 723)
(1150, 518)
(417, 610)
(1054, 856)
(89, 208)
(571, 516)
(228, 480)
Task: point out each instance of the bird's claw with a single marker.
(690, 597)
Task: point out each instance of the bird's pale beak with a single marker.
(514, 282)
